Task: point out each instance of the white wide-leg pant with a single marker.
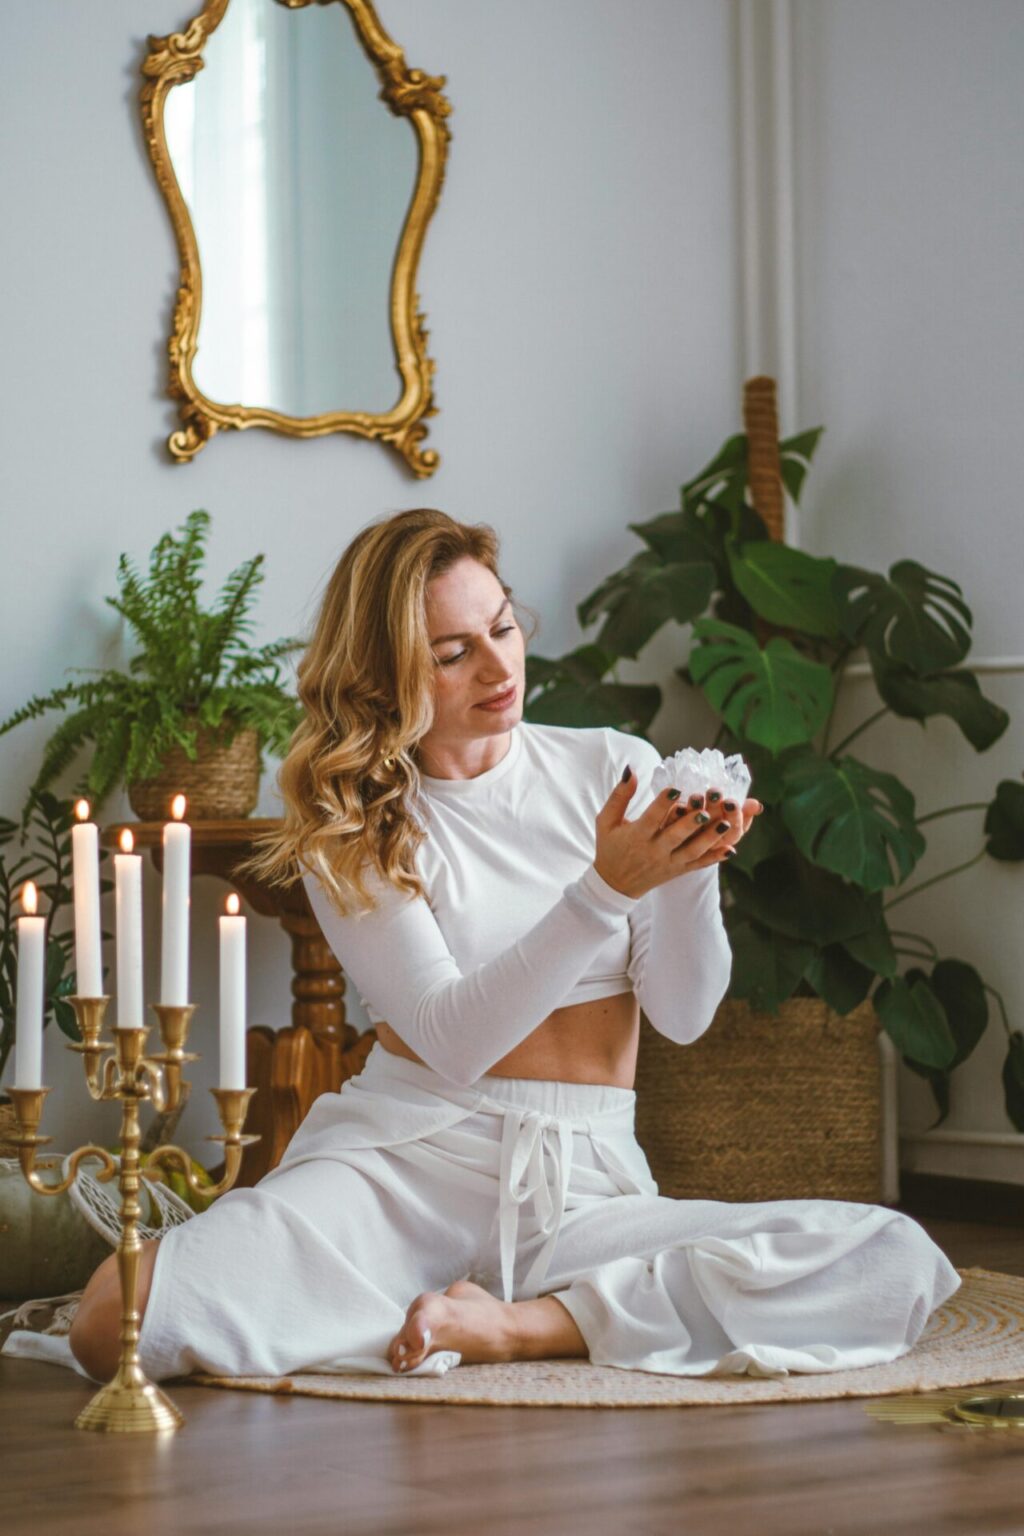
(404, 1182)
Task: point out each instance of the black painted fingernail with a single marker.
(673, 794)
(730, 853)
(702, 819)
(680, 811)
(696, 801)
(625, 776)
(714, 797)
(729, 805)
(723, 826)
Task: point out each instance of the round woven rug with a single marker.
(976, 1336)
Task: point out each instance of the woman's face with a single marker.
(480, 653)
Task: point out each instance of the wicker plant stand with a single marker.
(764, 1107)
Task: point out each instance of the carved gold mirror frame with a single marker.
(175, 59)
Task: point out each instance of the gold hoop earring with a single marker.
(388, 762)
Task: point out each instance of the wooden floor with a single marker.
(248, 1462)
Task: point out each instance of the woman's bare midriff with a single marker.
(593, 1042)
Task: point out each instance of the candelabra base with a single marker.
(130, 1402)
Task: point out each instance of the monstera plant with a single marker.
(809, 898)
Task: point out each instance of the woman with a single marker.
(477, 1192)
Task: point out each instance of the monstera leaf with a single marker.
(839, 978)
(787, 587)
(571, 692)
(1013, 1080)
(795, 455)
(956, 694)
(791, 897)
(916, 1021)
(914, 618)
(774, 697)
(852, 819)
(960, 993)
(766, 969)
(639, 599)
(1004, 822)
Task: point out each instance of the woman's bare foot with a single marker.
(465, 1317)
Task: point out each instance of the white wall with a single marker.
(598, 280)
(909, 226)
(578, 286)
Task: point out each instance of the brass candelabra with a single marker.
(130, 1401)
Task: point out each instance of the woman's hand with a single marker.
(668, 839)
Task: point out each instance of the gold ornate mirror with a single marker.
(300, 205)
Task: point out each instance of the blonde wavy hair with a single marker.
(366, 683)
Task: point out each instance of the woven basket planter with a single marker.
(223, 783)
(765, 1108)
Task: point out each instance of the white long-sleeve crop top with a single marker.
(517, 921)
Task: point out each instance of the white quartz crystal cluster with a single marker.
(694, 773)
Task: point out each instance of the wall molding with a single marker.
(983, 664)
(765, 106)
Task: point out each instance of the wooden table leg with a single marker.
(318, 985)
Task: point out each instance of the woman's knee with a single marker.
(95, 1335)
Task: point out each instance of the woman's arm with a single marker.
(460, 1025)
(680, 960)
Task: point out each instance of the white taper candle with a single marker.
(128, 912)
(85, 855)
(28, 1027)
(174, 934)
(232, 997)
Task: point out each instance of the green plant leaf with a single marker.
(914, 618)
(643, 597)
(916, 1021)
(569, 691)
(686, 537)
(766, 968)
(1004, 822)
(795, 454)
(766, 836)
(961, 992)
(774, 697)
(852, 819)
(875, 950)
(839, 978)
(66, 1020)
(1013, 1080)
(956, 694)
(801, 901)
(726, 470)
(939, 1083)
(787, 587)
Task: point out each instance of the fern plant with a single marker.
(194, 670)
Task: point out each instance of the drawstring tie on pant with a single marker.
(528, 1139)
(536, 1161)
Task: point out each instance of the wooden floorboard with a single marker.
(250, 1462)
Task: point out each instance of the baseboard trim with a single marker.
(983, 1200)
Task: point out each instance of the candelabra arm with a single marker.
(233, 1105)
(28, 1107)
(154, 1076)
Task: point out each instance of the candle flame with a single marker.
(232, 904)
(82, 810)
(178, 805)
(127, 840)
(29, 897)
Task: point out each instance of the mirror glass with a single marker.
(298, 179)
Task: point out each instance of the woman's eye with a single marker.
(448, 661)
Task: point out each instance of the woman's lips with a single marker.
(502, 701)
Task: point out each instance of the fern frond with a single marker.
(38, 705)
